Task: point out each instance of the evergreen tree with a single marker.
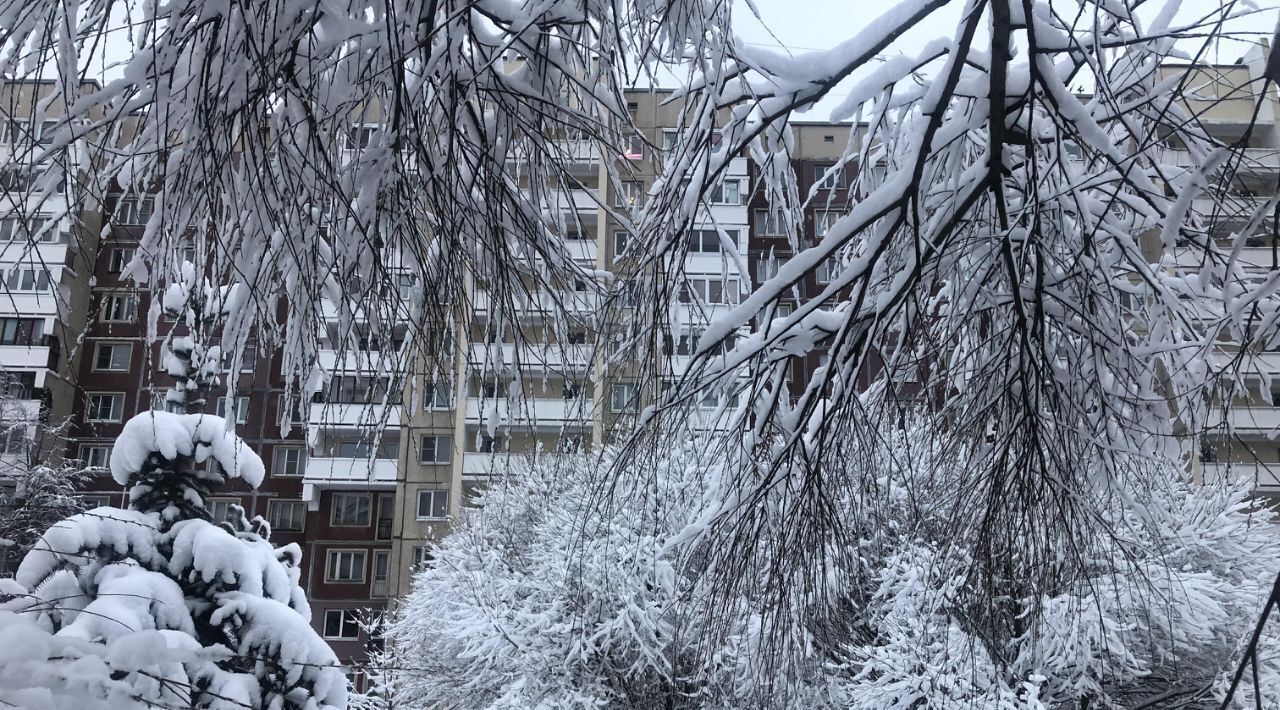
(163, 606)
(160, 605)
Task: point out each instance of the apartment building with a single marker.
(573, 386)
(1240, 439)
(47, 242)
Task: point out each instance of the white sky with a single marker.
(806, 25)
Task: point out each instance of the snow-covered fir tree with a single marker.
(545, 598)
(156, 605)
(162, 605)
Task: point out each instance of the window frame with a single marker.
(106, 312)
(432, 494)
(97, 355)
(435, 449)
(298, 507)
(210, 503)
(629, 403)
(834, 181)
(332, 553)
(279, 453)
(334, 508)
(431, 403)
(115, 416)
(86, 458)
(220, 408)
(346, 617)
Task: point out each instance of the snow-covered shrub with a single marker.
(41, 496)
(157, 605)
(557, 592)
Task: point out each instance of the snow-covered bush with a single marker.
(157, 605)
(41, 496)
(556, 592)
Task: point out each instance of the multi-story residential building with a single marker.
(47, 240)
(1229, 105)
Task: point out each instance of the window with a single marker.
(359, 137)
(287, 515)
(725, 192)
(822, 222)
(28, 279)
(709, 290)
(345, 566)
(823, 181)
(21, 331)
(572, 389)
(766, 267)
(358, 389)
(96, 457)
(489, 444)
(769, 223)
(120, 258)
(436, 449)
(439, 395)
(48, 130)
(707, 241)
(287, 461)
(104, 407)
(422, 556)
(248, 359)
(620, 242)
(386, 516)
(630, 194)
(341, 624)
(134, 210)
(89, 502)
(687, 343)
(118, 308)
(13, 437)
(351, 509)
(242, 409)
(220, 508)
(633, 147)
(34, 229)
(622, 397)
(433, 505)
(112, 357)
(823, 271)
(381, 573)
(18, 384)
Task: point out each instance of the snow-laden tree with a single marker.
(158, 606)
(545, 598)
(1029, 249)
(40, 496)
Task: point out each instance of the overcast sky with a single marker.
(806, 25)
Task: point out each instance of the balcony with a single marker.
(1249, 420)
(531, 412)
(345, 473)
(338, 414)
(1265, 475)
(533, 355)
(359, 361)
(22, 357)
(544, 302)
(1256, 160)
(481, 464)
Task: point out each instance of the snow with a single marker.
(195, 436)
